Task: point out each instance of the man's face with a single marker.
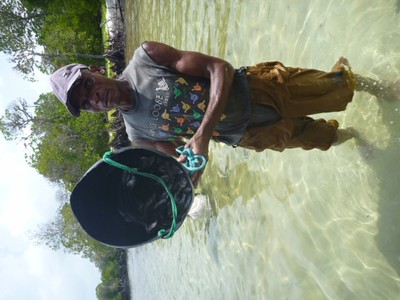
(95, 93)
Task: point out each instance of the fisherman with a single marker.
(170, 97)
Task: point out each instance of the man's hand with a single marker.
(169, 148)
(199, 145)
(220, 73)
(198, 148)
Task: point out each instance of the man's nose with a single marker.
(95, 98)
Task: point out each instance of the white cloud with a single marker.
(42, 85)
(44, 264)
(40, 273)
(29, 271)
(13, 86)
(26, 197)
(26, 200)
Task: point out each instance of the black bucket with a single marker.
(123, 209)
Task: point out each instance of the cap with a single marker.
(62, 80)
(126, 209)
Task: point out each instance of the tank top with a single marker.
(170, 105)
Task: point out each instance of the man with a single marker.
(167, 96)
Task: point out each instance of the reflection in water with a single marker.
(297, 224)
(229, 177)
(386, 164)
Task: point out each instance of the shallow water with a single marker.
(297, 224)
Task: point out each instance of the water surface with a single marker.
(298, 224)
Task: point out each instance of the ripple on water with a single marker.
(297, 224)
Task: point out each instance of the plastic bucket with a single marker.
(122, 209)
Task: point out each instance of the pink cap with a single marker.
(62, 80)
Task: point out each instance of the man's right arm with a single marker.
(169, 148)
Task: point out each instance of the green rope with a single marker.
(161, 233)
(193, 162)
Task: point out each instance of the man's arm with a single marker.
(163, 146)
(197, 64)
(169, 148)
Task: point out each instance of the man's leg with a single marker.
(369, 85)
(305, 133)
(343, 135)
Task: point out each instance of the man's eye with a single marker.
(88, 84)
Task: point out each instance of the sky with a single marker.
(30, 271)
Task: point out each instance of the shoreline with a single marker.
(114, 21)
(124, 275)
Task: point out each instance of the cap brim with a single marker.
(71, 108)
(96, 199)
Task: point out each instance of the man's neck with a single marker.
(128, 95)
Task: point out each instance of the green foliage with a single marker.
(106, 291)
(64, 232)
(65, 147)
(18, 26)
(61, 147)
(111, 286)
(15, 119)
(73, 27)
(62, 28)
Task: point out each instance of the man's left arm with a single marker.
(220, 73)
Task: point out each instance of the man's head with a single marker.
(62, 82)
(81, 88)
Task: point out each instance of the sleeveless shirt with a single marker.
(170, 105)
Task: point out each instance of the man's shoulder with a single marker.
(141, 56)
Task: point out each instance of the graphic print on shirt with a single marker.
(179, 106)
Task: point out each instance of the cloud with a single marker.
(26, 200)
(26, 197)
(29, 271)
(40, 273)
(13, 86)
(44, 264)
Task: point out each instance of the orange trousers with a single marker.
(296, 93)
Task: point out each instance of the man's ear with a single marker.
(97, 70)
(94, 69)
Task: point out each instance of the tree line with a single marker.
(45, 35)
